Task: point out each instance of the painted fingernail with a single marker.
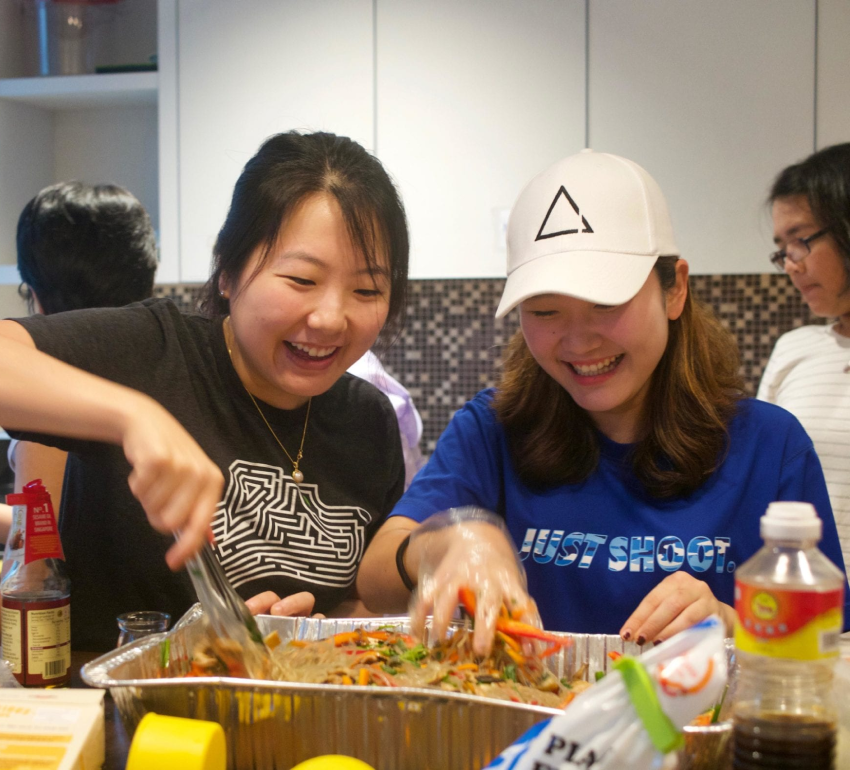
(641, 639)
(627, 634)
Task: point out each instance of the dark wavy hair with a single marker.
(286, 169)
(824, 179)
(82, 246)
(692, 397)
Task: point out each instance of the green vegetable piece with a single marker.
(510, 672)
(600, 675)
(164, 652)
(415, 654)
(566, 683)
(389, 669)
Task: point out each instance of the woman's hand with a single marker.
(470, 554)
(676, 603)
(295, 605)
(177, 484)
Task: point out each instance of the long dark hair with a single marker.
(824, 179)
(82, 246)
(692, 397)
(288, 168)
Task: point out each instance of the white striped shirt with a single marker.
(809, 375)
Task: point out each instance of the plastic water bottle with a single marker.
(789, 600)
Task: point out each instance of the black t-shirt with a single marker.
(270, 534)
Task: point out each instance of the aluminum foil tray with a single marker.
(276, 725)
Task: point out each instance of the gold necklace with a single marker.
(297, 475)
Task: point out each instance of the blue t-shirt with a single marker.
(592, 551)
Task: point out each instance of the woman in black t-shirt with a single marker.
(310, 269)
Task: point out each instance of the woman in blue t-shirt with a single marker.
(618, 450)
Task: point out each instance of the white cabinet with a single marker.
(251, 69)
(96, 128)
(713, 99)
(462, 100)
(474, 98)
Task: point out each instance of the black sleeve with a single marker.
(396, 488)
(122, 345)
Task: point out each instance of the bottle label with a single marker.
(41, 540)
(778, 623)
(11, 638)
(39, 637)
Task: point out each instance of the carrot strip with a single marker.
(297, 643)
(525, 631)
(614, 655)
(516, 657)
(346, 679)
(468, 667)
(510, 641)
(467, 599)
(345, 638)
(363, 676)
(381, 636)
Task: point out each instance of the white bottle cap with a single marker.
(791, 521)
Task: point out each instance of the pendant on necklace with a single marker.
(297, 476)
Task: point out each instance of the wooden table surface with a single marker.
(117, 739)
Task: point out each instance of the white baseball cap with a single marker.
(591, 227)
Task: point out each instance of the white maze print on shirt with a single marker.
(267, 526)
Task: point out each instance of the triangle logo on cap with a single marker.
(562, 219)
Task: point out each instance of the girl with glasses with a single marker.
(809, 370)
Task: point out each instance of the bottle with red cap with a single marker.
(789, 599)
(35, 593)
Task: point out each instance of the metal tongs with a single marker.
(228, 616)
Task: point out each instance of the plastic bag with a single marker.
(622, 722)
(468, 548)
(7, 677)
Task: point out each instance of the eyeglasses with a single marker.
(796, 250)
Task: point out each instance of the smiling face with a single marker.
(602, 355)
(310, 312)
(822, 276)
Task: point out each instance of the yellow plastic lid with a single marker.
(332, 762)
(174, 743)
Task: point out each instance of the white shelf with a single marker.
(83, 91)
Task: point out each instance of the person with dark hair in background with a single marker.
(79, 246)
(618, 450)
(809, 370)
(243, 416)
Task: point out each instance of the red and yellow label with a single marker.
(39, 539)
(779, 623)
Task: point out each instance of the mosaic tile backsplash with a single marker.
(451, 344)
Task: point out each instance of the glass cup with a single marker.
(135, 625)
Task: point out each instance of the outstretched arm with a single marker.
(176, 483)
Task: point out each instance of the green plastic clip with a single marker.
(662, 732)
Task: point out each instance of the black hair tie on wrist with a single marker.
(399, 563)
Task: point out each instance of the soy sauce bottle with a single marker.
(789, 600)
(35, 593)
